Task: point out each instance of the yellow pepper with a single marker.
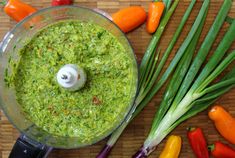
(172, 147)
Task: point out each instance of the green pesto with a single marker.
(86, 113)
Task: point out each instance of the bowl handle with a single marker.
(27, 148)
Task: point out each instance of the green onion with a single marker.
(167, 4)
(204, 102)
(178, 76)
(187, 98)
(213, 93)
(175, 61)
(204, 50)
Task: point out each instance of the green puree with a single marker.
(95, 108)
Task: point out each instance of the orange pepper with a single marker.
(154, 16)
(18, 10)
(129, 18)
(224, 122)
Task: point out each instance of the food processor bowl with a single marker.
(15, 39)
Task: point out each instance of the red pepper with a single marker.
(61, 2)
(220, 150)
(198, 142)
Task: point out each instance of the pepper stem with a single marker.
(211, 147)
(191, 129)
(3, 2)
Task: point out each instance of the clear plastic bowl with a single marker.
(24, 31)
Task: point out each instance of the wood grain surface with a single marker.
(137, 131)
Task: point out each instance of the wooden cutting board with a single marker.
(137, 131)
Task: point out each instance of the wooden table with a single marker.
(137, 131)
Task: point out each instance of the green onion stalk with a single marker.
(149, 72)
(190, 91)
